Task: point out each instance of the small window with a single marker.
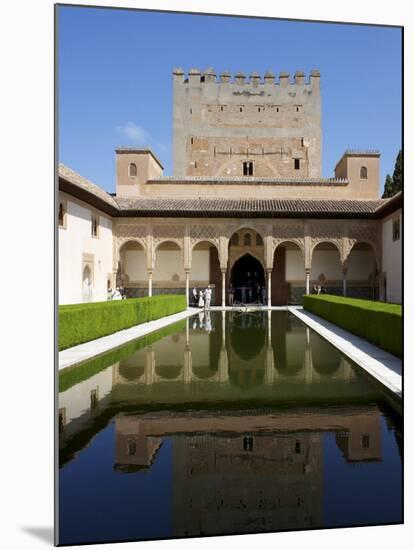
(302, 142)
(363, 173)
(258, 109)
(131, 447)
(396, 230)
(247, 168)
(241, 109)
(195, 164)
(248, 443)
(191, 111)
(94, 226)
(259, 240)
(298, 108)
(297, 164)
(192, 141)
(365, 441)
(133, 170)
(94, 399)
(61, 214)
(297, 447)
(247, 239)
(277, 109)
(222, 108)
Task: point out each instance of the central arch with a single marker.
(247, 279)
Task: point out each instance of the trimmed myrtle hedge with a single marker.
(377, 322)
(78, 373)
(79, 323)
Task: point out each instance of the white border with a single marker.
(26, 41)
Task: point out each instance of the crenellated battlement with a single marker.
(196, 76)
(235, 124)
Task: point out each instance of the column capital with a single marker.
(307, 270)
(269, 270)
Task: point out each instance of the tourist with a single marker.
(207, 294)
(117, 294)
(195, 299)
(200, 299)
(231, 295)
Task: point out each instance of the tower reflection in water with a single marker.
(246, 401)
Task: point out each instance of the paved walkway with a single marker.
(383, 366)
(82, 352)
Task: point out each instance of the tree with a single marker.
(388, 187)
(394, 184)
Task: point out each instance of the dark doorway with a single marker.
(248, 281)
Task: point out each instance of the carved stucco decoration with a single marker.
(288, 233)
(200, 233)
(174, 233)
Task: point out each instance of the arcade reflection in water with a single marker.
(254, 407)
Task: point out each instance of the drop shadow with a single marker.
(43, 533)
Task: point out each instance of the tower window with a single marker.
(222, 108)
(94, 226)
(133, 170)
(365, 441)
(241, 109)
(297, 164)
(248, 443)
(61, 214)
(277, 109)
(363, 173)
(396, 230)
(247, 168)
(192, 141)
(195, 164)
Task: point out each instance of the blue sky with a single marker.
(115, 81)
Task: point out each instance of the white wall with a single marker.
(295, 266)
(361, 264)
(75, 240)
(135, 265)
(167, 264)
(391, 259)
(77, 399)
(200, 265)
(328, 263)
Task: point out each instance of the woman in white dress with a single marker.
(201, 299)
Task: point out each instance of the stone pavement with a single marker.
(381, 365)
(82, 352)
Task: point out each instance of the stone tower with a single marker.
(236, 127)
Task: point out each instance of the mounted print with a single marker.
(229, 222)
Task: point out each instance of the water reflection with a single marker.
(252, 414)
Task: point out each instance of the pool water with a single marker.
(225, 423)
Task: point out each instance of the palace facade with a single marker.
(246, 208)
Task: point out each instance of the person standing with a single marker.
(231, 295)
(200, 299)
(195, 299)
(207, 294)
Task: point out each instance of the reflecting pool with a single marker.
(224, 423)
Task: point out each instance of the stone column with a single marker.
(269, 288)
(223, 288)
(187, 286)
(223, 371)
(344, 272)
(307, 271)
(149, 283)
(149, 366)
(188, 365)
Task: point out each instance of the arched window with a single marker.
(133, 170)
(363, 173)
(235, 240)
(61, 214)
(259, 240)
(247, 239)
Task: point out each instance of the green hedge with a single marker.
(377, 322)
(79, 323)
(78, 373)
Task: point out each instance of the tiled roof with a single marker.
(75, 184)
(205, 207)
